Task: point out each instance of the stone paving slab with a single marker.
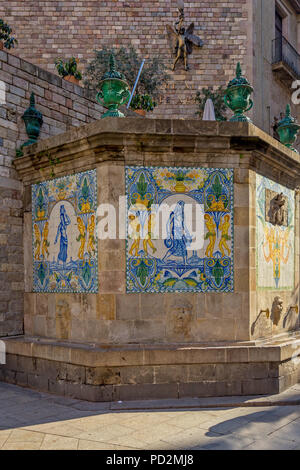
(37, 421)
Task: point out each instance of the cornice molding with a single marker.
(150, 142)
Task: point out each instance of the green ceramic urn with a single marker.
(237, 96)
(288, 129)
(33, 120)
(114, 91)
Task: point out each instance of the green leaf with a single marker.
(85, 190)
(5, 35)
(218, 273)
(40, 199)
(142, 186)
(68, 68)
(217, 188)
(142, 273)
(128, 62)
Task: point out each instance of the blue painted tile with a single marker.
(170, 261)
(64, 234)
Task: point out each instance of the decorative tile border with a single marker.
(157, 265)
(64, 244)
(275, 245)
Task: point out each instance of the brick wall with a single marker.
(48, 29)
(63, 105)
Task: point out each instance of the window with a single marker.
(278, 24)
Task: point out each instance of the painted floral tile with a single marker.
(166, 259)
(64, 234)
(275, 253)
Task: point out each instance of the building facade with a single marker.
(263, 35)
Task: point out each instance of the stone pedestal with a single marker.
(103, 329)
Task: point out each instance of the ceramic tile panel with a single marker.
(167, 259)
(275, 253)
(64, 234)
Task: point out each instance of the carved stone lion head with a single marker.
(277, 310)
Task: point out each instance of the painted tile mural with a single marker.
(168, 263)
(275, 243)
(64, 234)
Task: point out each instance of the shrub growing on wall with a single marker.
(68, 68)
(128, 62)
(5, 35)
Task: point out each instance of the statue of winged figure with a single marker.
(182, 40)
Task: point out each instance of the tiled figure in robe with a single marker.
(178, 236)
(62, 231)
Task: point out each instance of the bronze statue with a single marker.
(182, 40)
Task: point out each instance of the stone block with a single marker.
(47, 368)
(11, 362)
(103, 376)
(201, 373)
(106, 307)
(221, 329)
(152, 306)
(8, 376)
(229, 388)
(237, 355)
(112, 260)
(128, 307)
(28, 67)
(214, 305)
(89, 392)
(38, 382)
(57, 386)
(119, 332)
(17, 91)
(185, 355)
(137, 375)
(53, 352)
(39, 325)
(96, 330)
(112, 282)
(196, 390)
(267, 354)
(75, 373)
(63, 318)
(266, 386)
(22, 379)
(14, 61)
(171, 374)
(145, 331)
(25, 363)
(144, 391)
(41, 304)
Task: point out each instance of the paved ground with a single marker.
(32, 420)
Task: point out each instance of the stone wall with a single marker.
(233, 31)
(62, 29)
(274, 258)
(147, 373)
(116, 316)
(63, 106)
(117, 345)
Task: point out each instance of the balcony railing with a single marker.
(285, 53)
